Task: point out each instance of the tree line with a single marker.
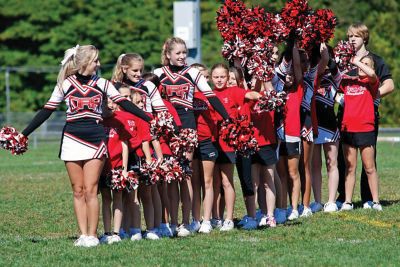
(36, 33)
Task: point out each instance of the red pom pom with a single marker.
(343, 52)
(185, 143)
(162, 125)
(239, 134)
(11, 139)
(120, 182)
(272, 100)
(149, 173)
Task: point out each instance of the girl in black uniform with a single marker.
(178, 81)
(83, 141)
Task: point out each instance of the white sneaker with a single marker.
(80, 242)
(183, 231)
(368, 205)
(263, 221)
(194, 226)
(136, 234)
(205, 227)
(227, 226)
(330, 207)
(307, 212)
(151, 235)
(114, 239)
(293, 215)
(377, 206)
(347, 206)
(251, 224)
(91, 241)
(216, 223)
(316, 207)
(243, 221)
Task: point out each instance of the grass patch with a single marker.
(37, 226)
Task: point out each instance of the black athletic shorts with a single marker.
(265, 156)
(206, 151)
(187, 118)
(290, 149)
(358, 139)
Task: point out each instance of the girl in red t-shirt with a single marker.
(117, 146)
(232, 98)
(358, 127)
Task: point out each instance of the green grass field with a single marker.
(38, 227)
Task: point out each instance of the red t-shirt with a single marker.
(138, 129)
(359, 96)
(116, 134)
(233, 99)
(205, 117)
(292, 111)
(264, 126)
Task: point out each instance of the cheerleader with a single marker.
(83, 93)
(232, 98)
(117, 146)
(128, 71)
(179, 81)
(306, 74)
(169, 191)
(243, 164)
(328, 137)
(263, 163)
(358, 127)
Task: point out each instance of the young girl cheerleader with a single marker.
(168, 191)
(263, 162)
(200, 105)
(358, 127)
(243, 164)
(232, 98)
(128, 71)
(358, 35)
(150, 199)
(117, 146)
(204, 162)
(83, 93)
(179, 81)
(306, 74)
(328, 138)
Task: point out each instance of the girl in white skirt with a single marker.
(82, 146)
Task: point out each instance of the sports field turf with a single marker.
(38, 227)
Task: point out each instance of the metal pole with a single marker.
(8, 95)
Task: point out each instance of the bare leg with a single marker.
(118, 210)
(331, 154)
(367, 157)
(229, 189)
(208, 171)
(91, 171)
(307, 158)
(217, 192)
(350, 157)
(293, 164)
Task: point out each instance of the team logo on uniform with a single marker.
(180, 90)
(80, 103)
(355, 90)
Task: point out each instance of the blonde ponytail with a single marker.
(75, 59)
